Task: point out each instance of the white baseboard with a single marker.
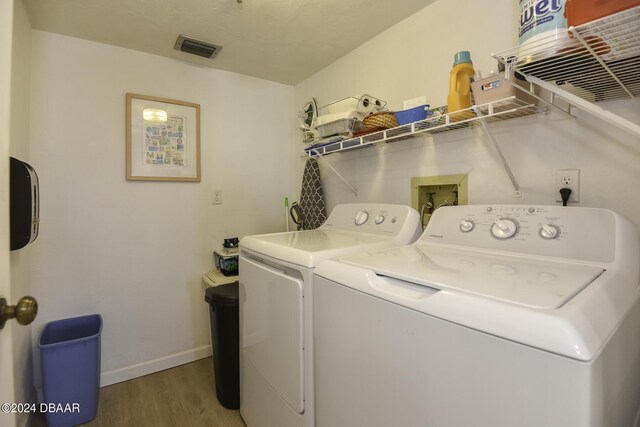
(155, 365)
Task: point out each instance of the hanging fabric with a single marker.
(312, 212)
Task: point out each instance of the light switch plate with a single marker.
(216, 197)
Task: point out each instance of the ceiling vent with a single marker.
(196, 47)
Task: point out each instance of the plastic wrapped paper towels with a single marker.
(365, 104)
(333, 117)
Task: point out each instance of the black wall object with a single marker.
(25, 204)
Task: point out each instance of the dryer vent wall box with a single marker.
(25, 204)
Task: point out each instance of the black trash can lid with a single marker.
(223, 294)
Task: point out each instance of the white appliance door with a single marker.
(272, 328)
(379, 364)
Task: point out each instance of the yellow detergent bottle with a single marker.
(460, 82)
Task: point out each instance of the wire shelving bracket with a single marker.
(505, 164)
(344, 181)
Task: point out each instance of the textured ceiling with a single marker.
(279, 40)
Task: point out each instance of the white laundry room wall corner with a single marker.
(134, 251)
(413, 58)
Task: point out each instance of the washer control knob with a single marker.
(504, 228)
(361, 217)
(549, 231)
(466, 225)
(379, 219)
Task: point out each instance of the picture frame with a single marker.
(163, 139)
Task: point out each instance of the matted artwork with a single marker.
(163, 139)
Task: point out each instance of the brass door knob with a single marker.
(24, 312)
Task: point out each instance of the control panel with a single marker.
(375, 218)
(574, 233)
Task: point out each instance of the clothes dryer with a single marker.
(276, 300)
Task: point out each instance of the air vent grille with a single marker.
(196, 47)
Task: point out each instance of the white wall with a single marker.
(135, 251)
(19, 148)
(414, 58)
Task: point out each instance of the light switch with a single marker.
(216, 197)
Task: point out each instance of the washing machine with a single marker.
(276, 297)
(498, 316)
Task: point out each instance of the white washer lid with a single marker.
(539, 284)
(307, 248)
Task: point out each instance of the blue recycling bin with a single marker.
(70, 361)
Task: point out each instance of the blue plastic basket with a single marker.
(412, 114)
(70, 361)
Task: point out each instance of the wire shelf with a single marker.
(596, 61)
(503, 109)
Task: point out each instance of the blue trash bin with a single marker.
(70, 361)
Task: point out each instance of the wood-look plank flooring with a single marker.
(181, 396)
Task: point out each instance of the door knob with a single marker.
(24, 312)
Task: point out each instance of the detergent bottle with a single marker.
(460, 82)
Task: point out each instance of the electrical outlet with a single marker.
(216, 197)
(568, 178)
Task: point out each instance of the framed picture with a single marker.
(163, 139)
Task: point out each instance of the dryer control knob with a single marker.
(549, 231)
(361, 217)
(466, 225)
(504, 228)
(379, 219)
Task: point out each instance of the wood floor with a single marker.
(182, 396)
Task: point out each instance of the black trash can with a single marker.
(225, 340)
